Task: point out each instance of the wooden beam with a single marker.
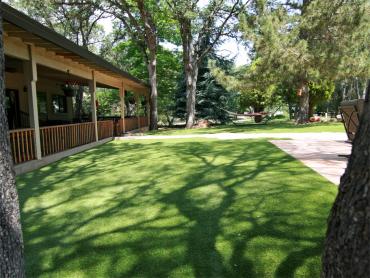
(137, 110)
(30, 69)
(92, 90)
(51, 60)
(50, 55)
(122, 102)
(108, 80)
(148, 109)
(16, 48)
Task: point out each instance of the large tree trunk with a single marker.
(258, 109)
(191, 76)
(11, 242)
(290, 111)
(152, 68)
(151, 43)
(347, 245)
(191, 69)
(304, 105)
(311, 109)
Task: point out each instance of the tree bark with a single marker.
(11, 242)
(191, 89)
(347, 245)
(191, 69)
(304, 105)
(151, 43)
(311, 109)
(152, 68)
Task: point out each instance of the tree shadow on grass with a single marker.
(278, 126)
(178, 209)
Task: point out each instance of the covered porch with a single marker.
(43, 72)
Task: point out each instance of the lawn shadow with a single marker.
(274, 126)
(158, 209)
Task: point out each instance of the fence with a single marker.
(22, 143)
(105, 129)
(60, 138)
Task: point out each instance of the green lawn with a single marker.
(175, 208)
(271, 127)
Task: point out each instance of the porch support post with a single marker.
(137, 110)
(31, 79)
(92, 90)
(148, 109)
(122, 102)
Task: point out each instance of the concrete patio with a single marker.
(320, 155)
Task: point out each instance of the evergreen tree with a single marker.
(320, 92)
(301, 41)
(201, 28)
(256, 89)
(213, 101)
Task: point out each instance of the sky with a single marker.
(230, 48)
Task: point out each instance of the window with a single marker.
(59, 104)
(42, 104)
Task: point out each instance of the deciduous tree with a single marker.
(11, 242)
(347, 252)
(140, 20)
(201, 29)
(256, 89)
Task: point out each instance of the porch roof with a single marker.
(17, 24)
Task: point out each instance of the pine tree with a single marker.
(301, 41)
(213, 101)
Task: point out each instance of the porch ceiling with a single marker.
(17, 24)
(62, 77)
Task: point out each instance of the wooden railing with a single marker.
(105, 129)
(22, 142)
(143, 121)
(59, 138)
(118, 127)
(131, 124)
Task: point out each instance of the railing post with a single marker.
(122, 102)
(92, 90)
(30, 70)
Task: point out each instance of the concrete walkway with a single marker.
(319, 151)
(319, 155)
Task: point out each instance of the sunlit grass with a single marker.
(271, 127)
(175, 208)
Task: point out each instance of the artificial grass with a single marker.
(175, 208)
(271, 127)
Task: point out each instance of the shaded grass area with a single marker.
(175, 208)
(273, 127)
